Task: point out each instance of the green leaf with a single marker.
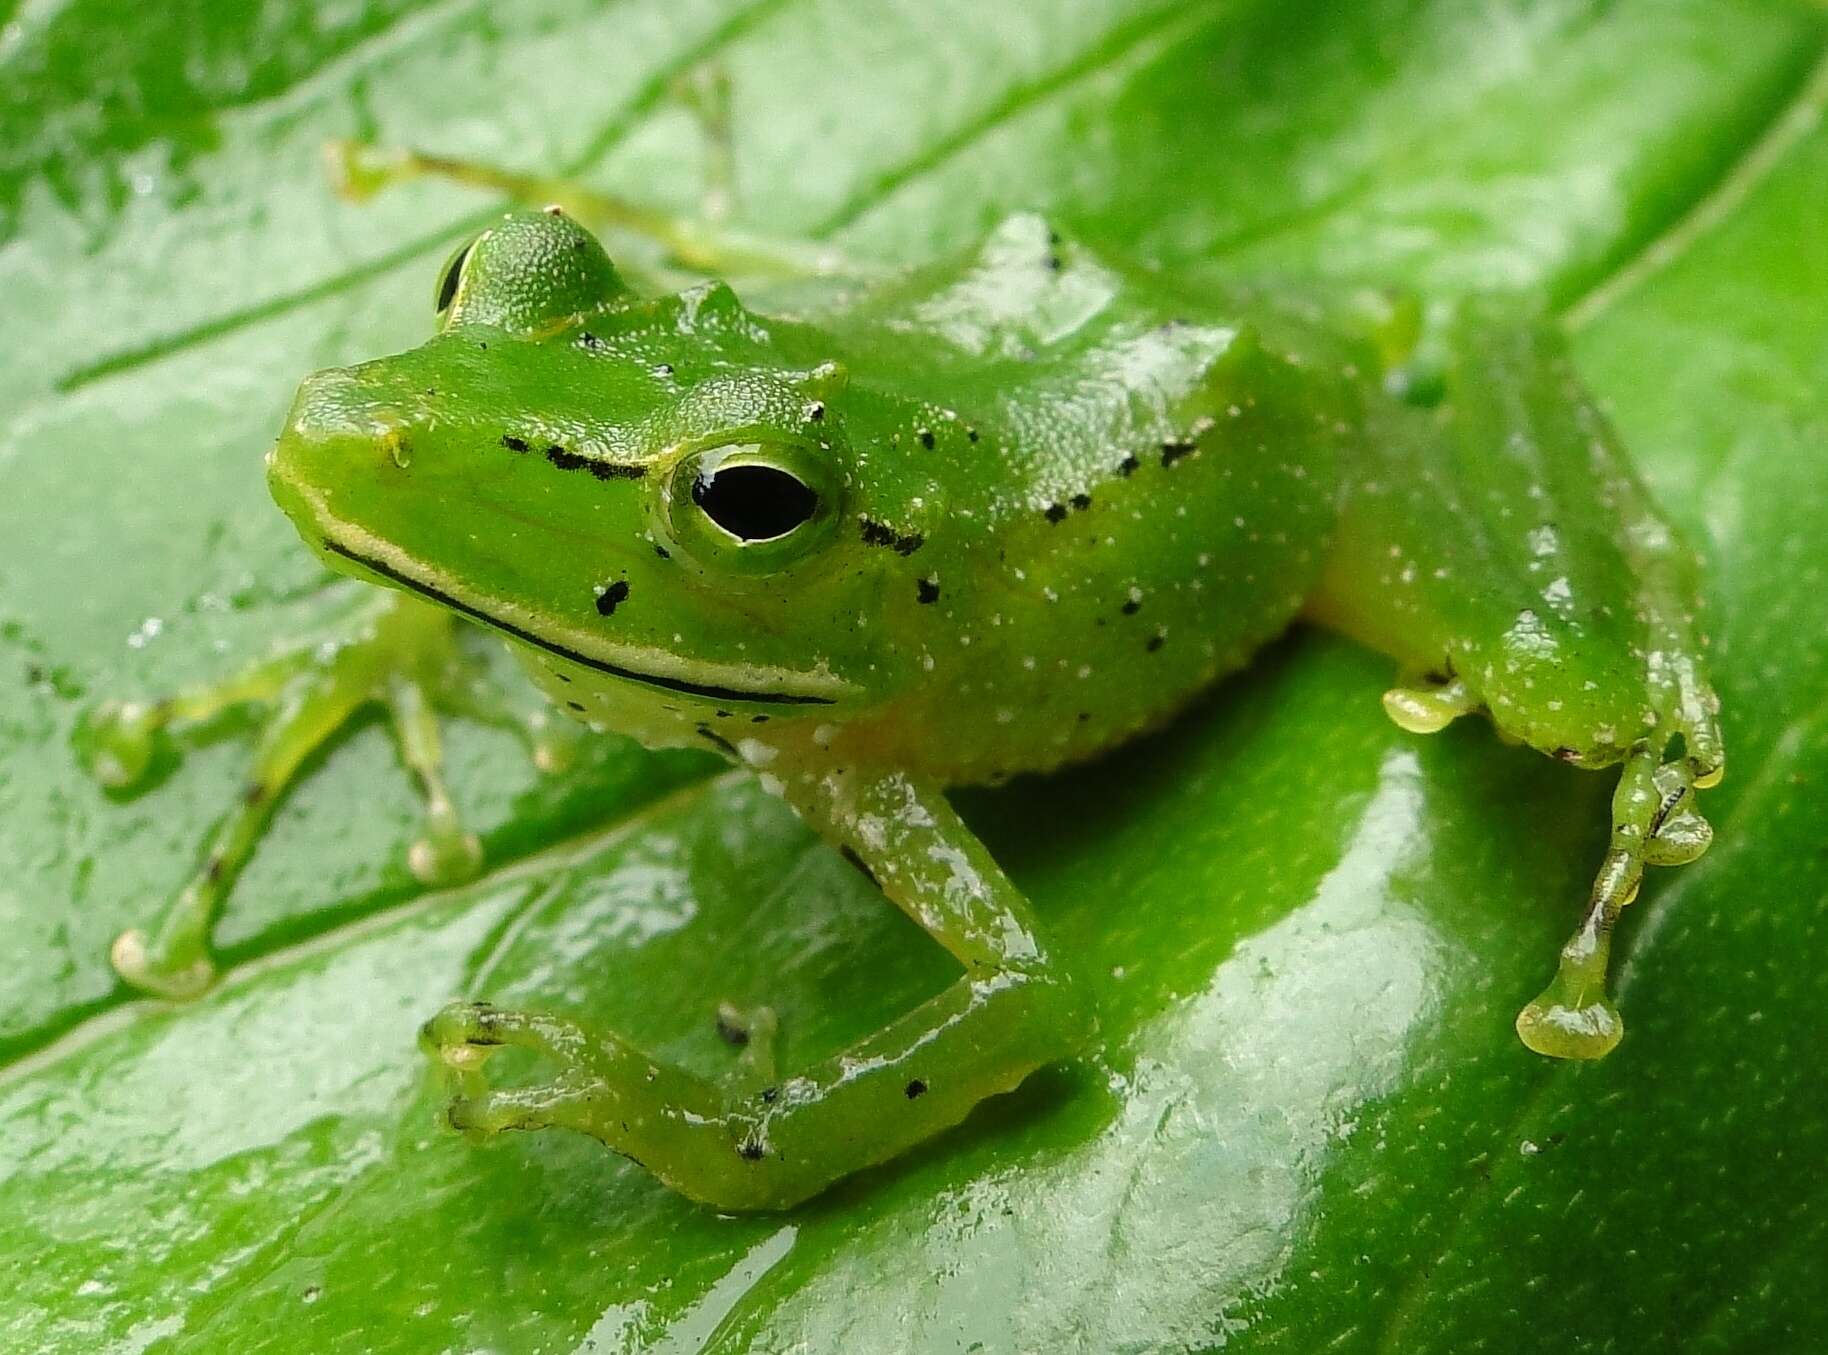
(1310, 1126)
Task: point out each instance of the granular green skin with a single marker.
(943, 527)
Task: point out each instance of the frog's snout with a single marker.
(342, 443)
(337, 423)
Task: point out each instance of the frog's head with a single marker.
(656, 490)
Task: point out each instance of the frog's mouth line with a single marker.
(443, 598)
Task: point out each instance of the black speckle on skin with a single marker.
(513, 443)
(1055, 512)
(815, 412)
(927, 590)
(1082, 501)
(612, 597)
(1156, 641)
(578, 706)
(213, 871)
(1132, 607)
(663, 369)
(1128, 466)
(768, 1094)
(718, 741)
(916, 1088)
(255, 792)
(662, 551)
(926, 438)
(1053, 262)
(731, 1033)
(603, 470)
(591, 342)
(560, 674)
(1174, 449)
(970, 434)
(875, 534)
(758, 719)
(750, 1150)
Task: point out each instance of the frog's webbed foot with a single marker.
(388, 649)
(678, 1125)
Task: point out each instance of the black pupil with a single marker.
(447, 289)
(754, 503)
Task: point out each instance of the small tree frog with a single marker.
(939, 526)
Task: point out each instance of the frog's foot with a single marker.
(1654, 822)
(678, 1125)
(389, 649)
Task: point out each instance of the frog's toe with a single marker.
(445, 855)
(1429, 704)
(552, 744)
(154, 970)
(118, 740)
(1682, 837)
(1568, 1020)
(560, 1104)
(463, 1037)
(463, 1033)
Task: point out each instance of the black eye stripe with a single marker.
(754, 503)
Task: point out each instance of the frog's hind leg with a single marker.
(1500, 543)
(389, 649)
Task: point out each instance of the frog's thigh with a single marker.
(772, 1146)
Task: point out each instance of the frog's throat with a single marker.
(709, 691)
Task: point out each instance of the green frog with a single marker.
(912, 529)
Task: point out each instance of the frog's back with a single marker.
(1119, 494)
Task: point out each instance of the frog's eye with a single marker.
(754, 503)
(451, 277)
(752, 506)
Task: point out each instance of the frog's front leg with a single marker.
(1501, 545)
(702, 244)
(389, 649)
(738, 1146)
